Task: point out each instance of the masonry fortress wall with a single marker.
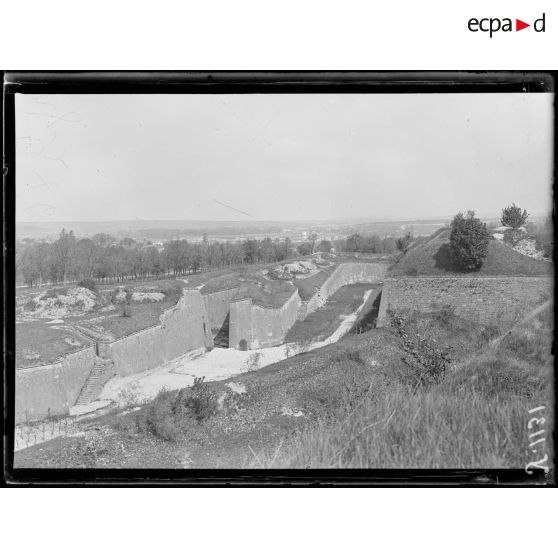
(53, 388)
(182, 328)
(344, 274)
(481, 299)
(261, 327)
(218, 306)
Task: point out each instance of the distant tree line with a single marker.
(106, 259)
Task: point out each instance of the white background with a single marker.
(264, 34)
(288, 35)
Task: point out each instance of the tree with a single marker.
(312, 239)
(28, 266)
(288, 247)
(324, 246)
(126, 303)
(304, 249)
(404, 242)
(87, 256)
(103, 239)
(514, 217)
(372, 244)
(389, 245)
(469, 240)
(250, 251)
(354, 243)
(63, 251)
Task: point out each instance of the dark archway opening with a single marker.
(222, 337)
(368, 321)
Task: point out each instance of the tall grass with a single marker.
(475, 417)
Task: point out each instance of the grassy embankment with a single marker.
(431, 256)
(475, 416)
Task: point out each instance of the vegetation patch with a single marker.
(38, 343)
(325, 320)
(433, 258)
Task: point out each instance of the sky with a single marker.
(280, 157)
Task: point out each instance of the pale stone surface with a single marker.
(77, 410)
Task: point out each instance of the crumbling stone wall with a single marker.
(51, 388)
(183, 327)
(499, 300)
(345, 274)
(55, 387)
(261, 327)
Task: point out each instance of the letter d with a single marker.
(535, 25)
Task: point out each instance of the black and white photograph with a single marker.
(327, 280)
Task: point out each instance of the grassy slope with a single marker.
(431, 257)
(325, 320)
(476, 417)
(359, 410)
(44, 340)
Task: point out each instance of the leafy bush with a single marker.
(514, 217)
(30, 305)
(159, 418)
(123, 298)
(88, 284)
(200, 400)
(173, 292)
(428, 363)
(469, 240)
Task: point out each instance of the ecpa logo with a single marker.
(494, 24)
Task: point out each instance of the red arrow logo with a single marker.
(519, 25)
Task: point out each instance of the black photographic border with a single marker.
(226, 82)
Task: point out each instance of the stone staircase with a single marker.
(95, 381)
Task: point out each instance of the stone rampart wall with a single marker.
(183, 327)
(345, 274)
(499, 300)
(51, 388)
(261, 327)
